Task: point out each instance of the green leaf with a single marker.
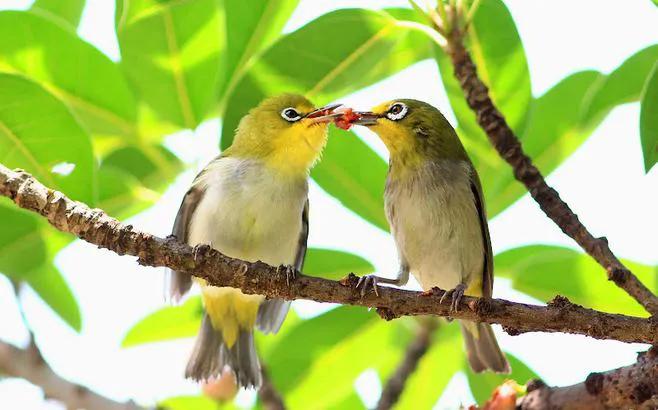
(294, 354)
(171, 322)
(67, 11)
(444, 358)
(193, 403)
(334, 265)
(553, 132)
(623, 85)
(497, 51)
(483, 384)
(39, 143)
(354, 174)
(543, 271)
(121, 194)
(649, 121)
(51, 286)
(250, 28)
(22, 248)
(375, 346)
(90, 84)
(151, 165)
(171, 52)
(365, 47)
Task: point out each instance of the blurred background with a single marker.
(566, 75)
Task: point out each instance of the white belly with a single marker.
(248, 213)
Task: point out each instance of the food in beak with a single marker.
(346, 119)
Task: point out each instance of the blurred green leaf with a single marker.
(294, 354)
(251, 27)
(444, 358)
(554, 131)
(84, 78)
(171, 322)
(623, 85)
(39, 143)
(152, 165)
(121, 194)
(649, 121)
(334, 265)
(483, 384)
(365, 46)
(22, 248)
(354, 174)
(68, 11)
(497, 51)
(193, 403)
(329, 378)
(171, 53)
(543, 271)
(51, 286)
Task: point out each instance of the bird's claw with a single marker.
(456, 296)
(366, 282)
(289, 271)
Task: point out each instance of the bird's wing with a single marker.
(272, 312)
(487, 274)
(179, 282)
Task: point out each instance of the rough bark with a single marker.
(509, 147)
(28, 364)
(415, 351)
(630, 387)
(94, 226)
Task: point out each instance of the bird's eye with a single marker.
(397, 111)
(290, 114)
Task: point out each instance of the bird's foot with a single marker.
(366, 282)
(456, 295)
(289, 271)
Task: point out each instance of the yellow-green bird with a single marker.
(435, 207)
(250, 203)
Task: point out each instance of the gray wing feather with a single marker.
(179, 282)
(487, 279)
(272, 312)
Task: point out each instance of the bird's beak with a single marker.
(365, 118)
(325, 114)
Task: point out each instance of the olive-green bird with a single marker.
(435, 207)
(250, 203)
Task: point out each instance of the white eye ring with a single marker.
(397, 111)
(290, 114)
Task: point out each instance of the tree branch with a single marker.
(415, 351)
(28, 364)
(630, 387)
(94, 226)
(268, 394)
(508, 146)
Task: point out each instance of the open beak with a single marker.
(325, 114)
(365, 118)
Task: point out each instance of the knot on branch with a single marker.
(641, 393)
(350, 280)
(561, 302)
(387, 313)
(618, 274)
(594, 383)
(534, 384)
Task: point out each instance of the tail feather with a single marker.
(482, 348)
(271, 315)
(210, 355)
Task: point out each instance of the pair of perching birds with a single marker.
(251, 203)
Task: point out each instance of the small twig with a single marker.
(202, 261)
(19, 303)
(415, 351)
(28, 364)
(507, 144)
(268, 394)
(630, 387)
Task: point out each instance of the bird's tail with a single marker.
(211, 354)
(482, 348)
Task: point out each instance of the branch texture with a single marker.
(630, 387)
(509, 147)
(94, 226)
(28, 364)
(415, 351)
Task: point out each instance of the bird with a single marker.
(436, 212)
(250, 203)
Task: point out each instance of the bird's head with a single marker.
(286, 132)
(412, 131)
